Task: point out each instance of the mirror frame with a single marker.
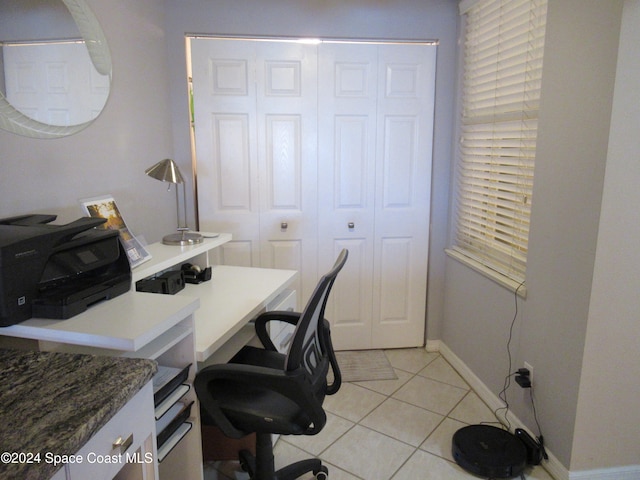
(16, 122)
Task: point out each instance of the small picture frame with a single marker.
(105, 207)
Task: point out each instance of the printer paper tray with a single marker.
(63, 306)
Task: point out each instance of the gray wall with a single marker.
(579, 71)
(401, 19)
(608, 416)
(110, 156)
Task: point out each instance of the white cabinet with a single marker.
(181, 455)
(122, 449)
(172, 344)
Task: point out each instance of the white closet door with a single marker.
(256, 145)
(347, 150)
(406, 87)
(304, 150)
(376, 131)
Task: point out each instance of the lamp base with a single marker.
(182, 239)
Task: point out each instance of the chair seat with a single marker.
(253, 409)
(260, 358)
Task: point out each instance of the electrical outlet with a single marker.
(530, 368)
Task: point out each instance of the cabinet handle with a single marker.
(123, 445)
(284, 225)
(351, 225)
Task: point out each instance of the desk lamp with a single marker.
(167, 171)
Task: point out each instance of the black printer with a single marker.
(57, 271)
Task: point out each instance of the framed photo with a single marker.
(105, 207)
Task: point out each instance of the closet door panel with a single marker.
(349, 305)
(286, 106)
(231, 176)
(393, 302)
(406, 85)
(283, 162)
(346, 178)
(351, 137)
(238, 253)
(225, 136)
(399, 161)
(282, 234)
(285, 254)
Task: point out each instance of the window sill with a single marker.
(500, 279)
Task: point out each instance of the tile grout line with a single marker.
(390, 396)
(387, 396)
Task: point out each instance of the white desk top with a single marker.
(232, 297)
(127, 322)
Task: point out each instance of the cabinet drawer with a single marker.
(135, 422)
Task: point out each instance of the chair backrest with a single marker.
(307, 347)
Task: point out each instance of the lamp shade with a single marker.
(166, 171)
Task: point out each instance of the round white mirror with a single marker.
(55, 67)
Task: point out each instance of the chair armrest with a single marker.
(288, 384)
(292, 318)
(333, 361)
(264, 318)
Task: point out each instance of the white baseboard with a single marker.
(433, 346)
(631, 472)
(553, 465)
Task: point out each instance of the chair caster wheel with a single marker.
(247, 462)
(322, 474)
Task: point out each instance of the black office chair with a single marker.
(263, 391)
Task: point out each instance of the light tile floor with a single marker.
(391, 429)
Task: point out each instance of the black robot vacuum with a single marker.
(489, 452)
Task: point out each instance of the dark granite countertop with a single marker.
(55, 402)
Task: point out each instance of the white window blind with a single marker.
(501, 90)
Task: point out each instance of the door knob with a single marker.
(351, 225)
(284, 225)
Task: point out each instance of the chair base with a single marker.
(261, 466)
